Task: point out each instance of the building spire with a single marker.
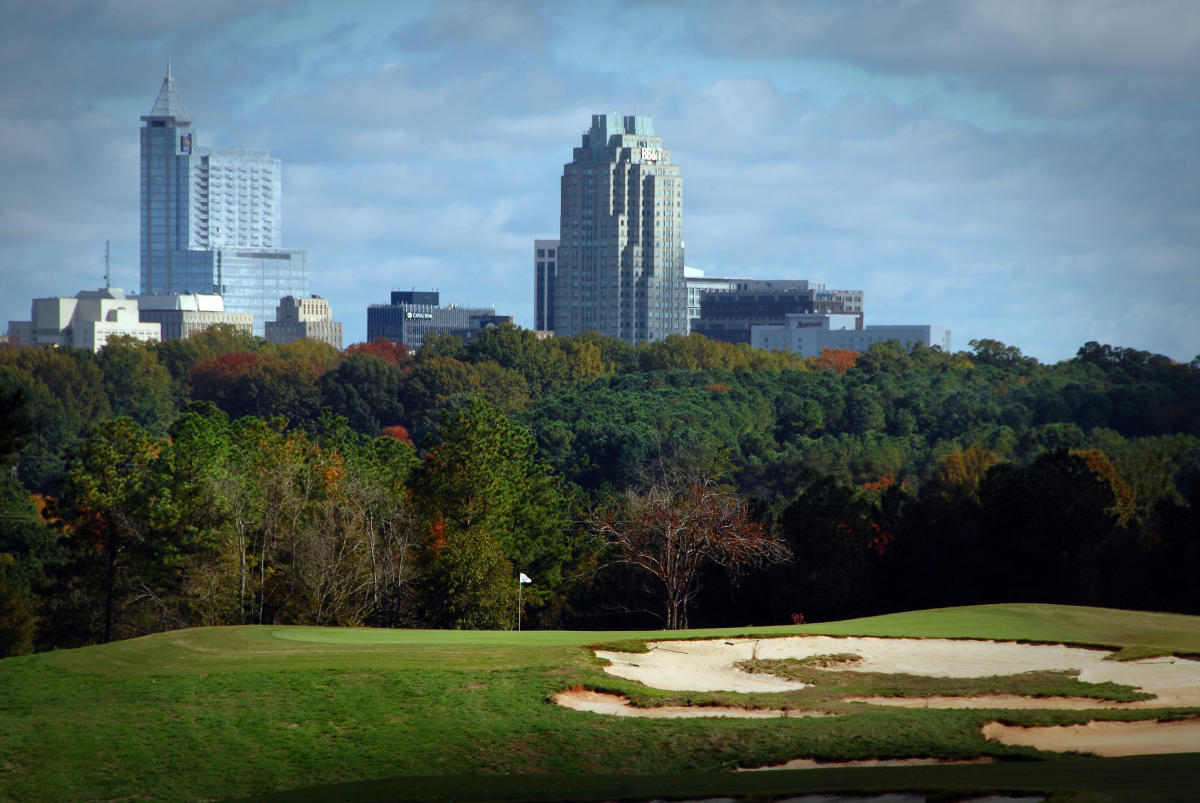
(168, 103)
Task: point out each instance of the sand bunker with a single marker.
(709, 666)
(705, 666)
(617, 705)
(1106, 739)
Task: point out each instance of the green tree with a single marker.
(17, 624)
(225, 338)
(829, 527)
(367, 391)
(585, 360)
(138, 386)
(436, 380)
(542, 366)
(110, 504)
(480, 485)
(986, 351)
(64, 396)
(1049, 528)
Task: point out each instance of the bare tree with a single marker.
(677, 524)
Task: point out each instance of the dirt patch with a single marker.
(617, 705)
(1106, 739)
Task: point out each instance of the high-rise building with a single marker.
(545, 268)
(211, 218)
(620, 254)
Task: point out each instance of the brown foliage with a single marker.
(675, 526)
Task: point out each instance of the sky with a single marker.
(1020, 170)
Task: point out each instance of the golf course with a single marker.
(301, 713)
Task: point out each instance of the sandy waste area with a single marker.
(708, 665)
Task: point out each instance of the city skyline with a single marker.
(1021, 171)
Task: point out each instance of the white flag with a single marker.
(525, 578)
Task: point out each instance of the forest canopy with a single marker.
(223, 479)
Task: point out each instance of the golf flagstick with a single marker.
(521, 580)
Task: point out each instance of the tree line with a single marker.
(225, 480)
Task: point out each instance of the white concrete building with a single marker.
(86, 321)
(186, 314)
(808, 334)
(298, 318)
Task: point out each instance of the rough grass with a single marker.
(359, 713)
(830, 685)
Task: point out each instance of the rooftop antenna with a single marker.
(107, 283)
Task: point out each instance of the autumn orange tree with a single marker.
(676, 525)
(837, 360)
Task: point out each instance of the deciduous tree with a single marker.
(676, 525)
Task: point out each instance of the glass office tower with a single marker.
(620, 254)
(210, 217)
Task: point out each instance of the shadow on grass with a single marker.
(1140, 778)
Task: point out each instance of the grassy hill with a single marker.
(398, 714)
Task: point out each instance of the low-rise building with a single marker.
(185, 314)
(728, 314)
(299, 318)
(86, 321)
(697, 285)
(808, 335)
(413, 314)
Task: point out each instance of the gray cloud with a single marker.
(1065, 57)
(501, 25)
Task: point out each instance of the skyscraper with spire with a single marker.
(210, 217)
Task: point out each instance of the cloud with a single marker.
(498, 25)
(128, 19)
(1062, 58)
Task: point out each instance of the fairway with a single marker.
(250, 711)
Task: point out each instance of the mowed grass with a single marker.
(243, 712)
